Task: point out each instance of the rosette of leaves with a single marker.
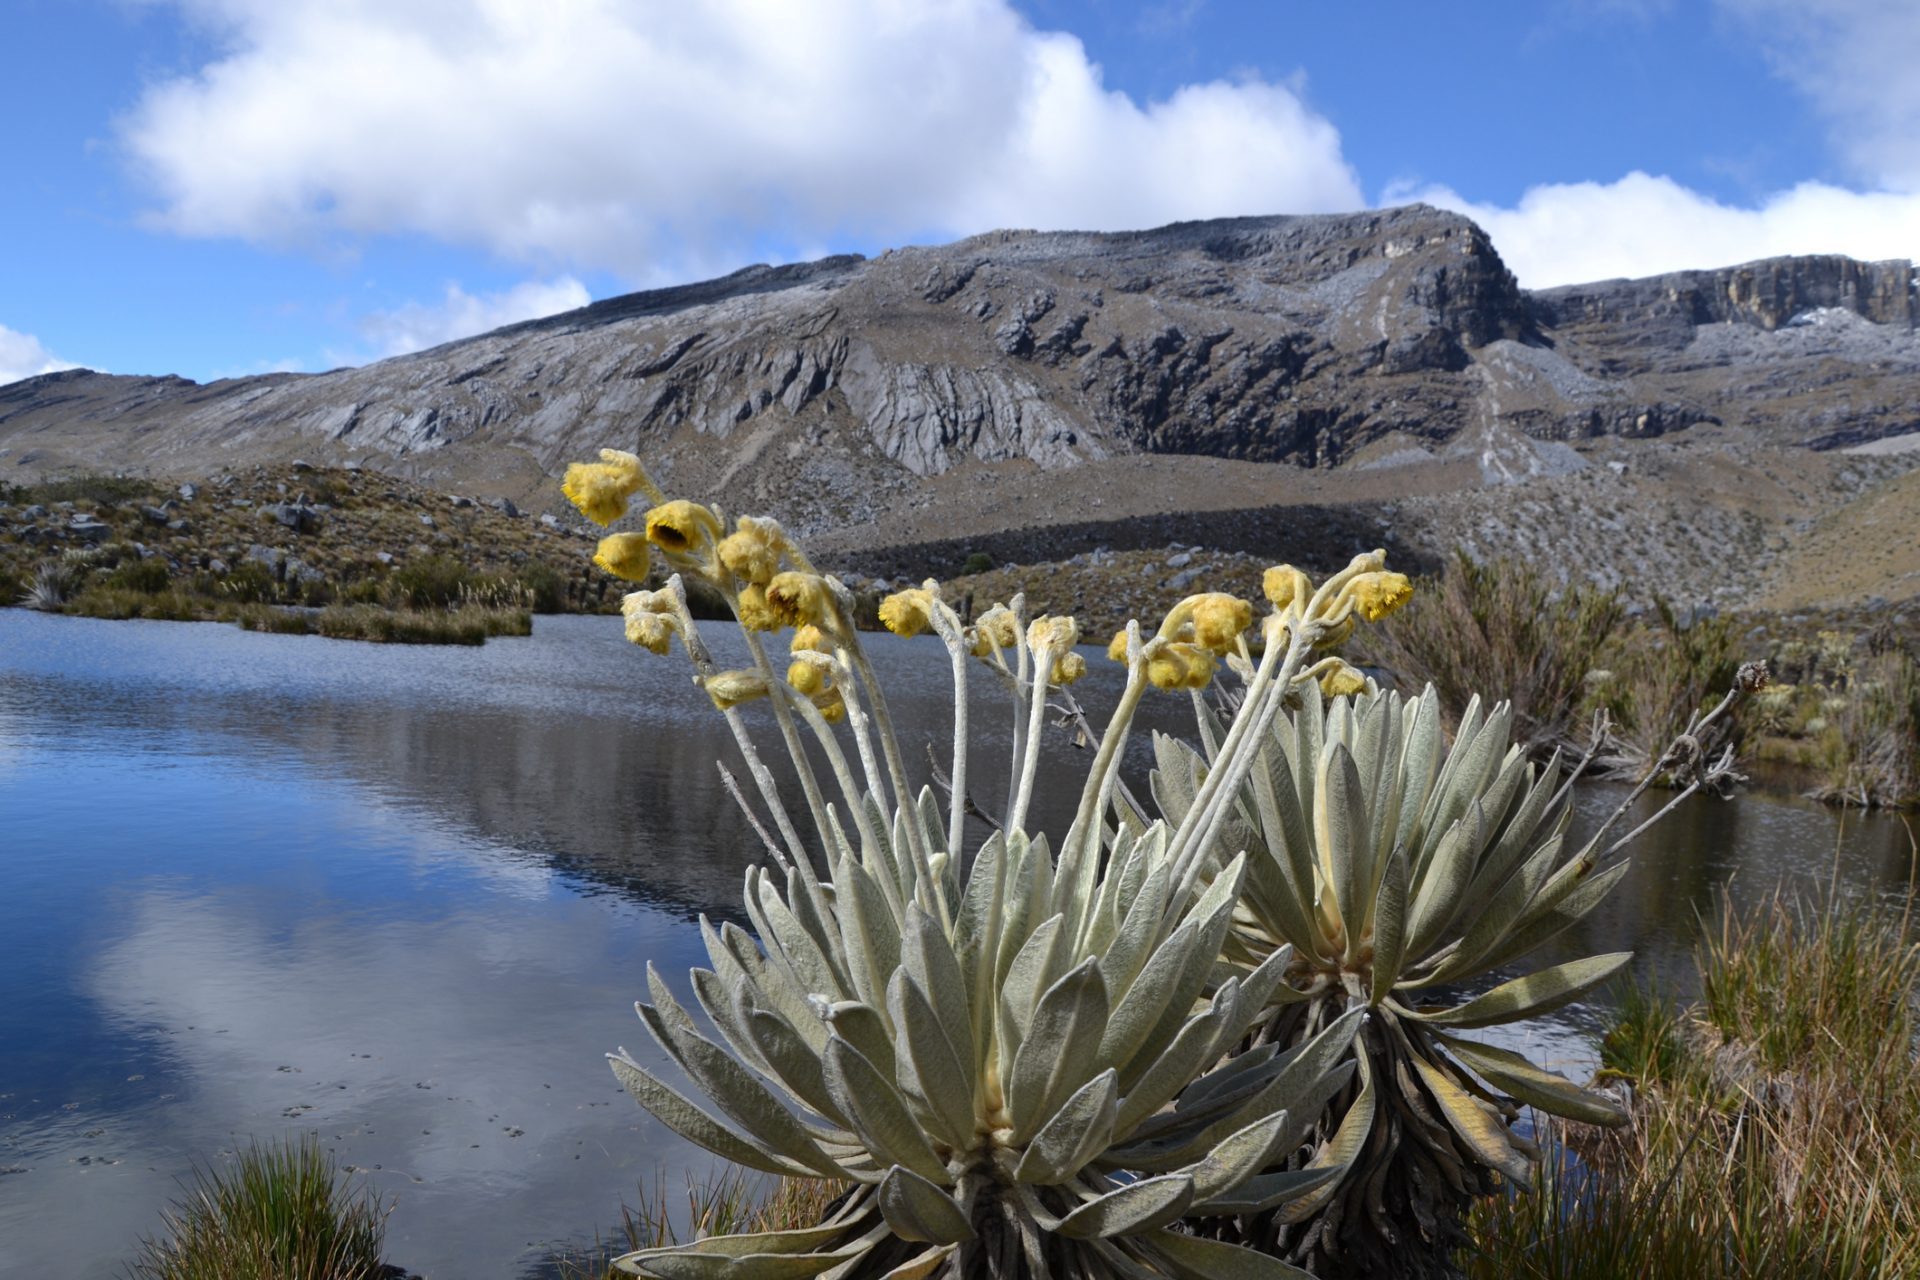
(1042, 1080)
(1396, 870)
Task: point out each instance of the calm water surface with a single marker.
(404, 899)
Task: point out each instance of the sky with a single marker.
(215, 188)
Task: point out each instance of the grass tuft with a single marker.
(279, 1212)
(731, 1201)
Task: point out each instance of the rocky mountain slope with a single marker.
(1293, 386)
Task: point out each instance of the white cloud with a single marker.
(655, 140)
(460, 314)
(1858, 62)
(22, 356)
(1569, 233)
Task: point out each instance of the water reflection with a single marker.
(404, 897)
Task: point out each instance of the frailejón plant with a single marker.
(1395, 870)
(1017, 1062)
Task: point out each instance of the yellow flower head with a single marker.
(1218, 620)
(601, 489)
(1068, 667)
(832, 704)
(680, 526)
(1180, 665)
(812, 638)
(797, 599)
(729, 689)
(1284, 585)
(907, 613)
(652, 631)
(994, 629)
(1117, 647)
(1056, 634)
(752, 551)
(808, 673)
(1378, 594)
(754, 612)
(625, 555)
(1342, 680)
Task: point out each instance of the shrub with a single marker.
(428, 582)
(279, 1213)
(149, 575)
(1501, 626)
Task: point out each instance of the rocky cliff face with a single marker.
(841, 391)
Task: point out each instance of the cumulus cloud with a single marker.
(1569, 233)
(1858, 63)
(22, 356)
(460, 314)
(643, 139)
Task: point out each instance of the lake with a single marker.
(404, 898)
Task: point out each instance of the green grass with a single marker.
(1776, 1128)
(276, 1212)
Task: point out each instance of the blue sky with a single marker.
(222, 187)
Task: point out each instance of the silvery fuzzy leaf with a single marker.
(927, 1065)
(1195, 1258)
(878, 1112)
(734, 1089)
(1230, 1080)
(1444, 792)
(1140, 1008)
(1484, 1135)
(929, 961)
(1080, 1130)
(870, 931)
(918, 1210)
(1267, 1191)
(1389, 926)
(1531, 995)
(1130, 1209)
(810, 961)
(672, 1109)
(862, 1027)
(1061, 1048)
(1176, 780)
(745, 1244)
(1449, 870)
(1420, 763)
(794, 1062)
(1284, 878)
(1127, 951)
(1507, 910)
(717, 999)
(774, 987)
(1547, 1090)
(1340, 830)
(684, 1264)
(922, 1264)
(1337, 1155)
(1471, 767)
(1167, 1072)
(1553, 913)
(1238, 1156)
(1032, 971)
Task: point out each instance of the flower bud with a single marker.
(1342, 680)
(1180, 665)
(1218, 621)
(812, 638)
(1117, 647)
(1057, 634)
(994, 629)
(729, 689)
(651, 631)
(753, 611)
(638, 602)
(1283, 585)
(1068, 667)
(601, 489)
(907, 613)
(625, 555)
(808, 673)
(797, 599)
(681, 526)
(752, 551)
